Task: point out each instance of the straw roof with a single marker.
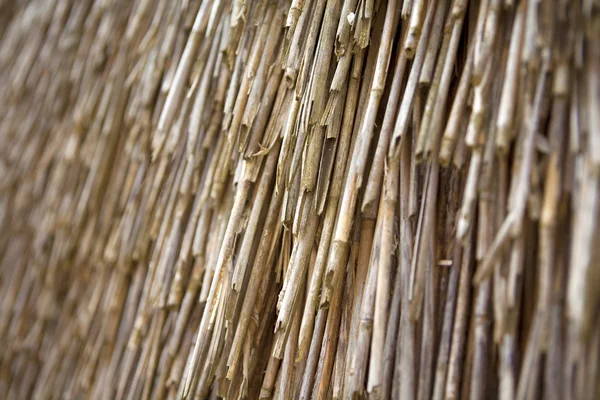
(311, 199)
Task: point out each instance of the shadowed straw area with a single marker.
(300, 199)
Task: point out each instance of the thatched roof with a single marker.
(300, 199)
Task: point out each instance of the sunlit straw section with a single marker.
(299, 199)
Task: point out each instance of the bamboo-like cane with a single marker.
(180, 186)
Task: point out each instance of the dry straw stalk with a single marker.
(300, 199)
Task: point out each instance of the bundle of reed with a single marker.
(300, 199)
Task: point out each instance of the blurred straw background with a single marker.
(300, 199)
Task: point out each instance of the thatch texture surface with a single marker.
(300, 199)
